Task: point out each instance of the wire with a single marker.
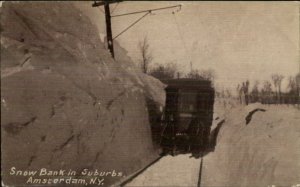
(132, 24)
(114, 8)
(151, 10)
(101, 10)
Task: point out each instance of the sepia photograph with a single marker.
(150, 93)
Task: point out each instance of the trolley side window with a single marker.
(203, 102)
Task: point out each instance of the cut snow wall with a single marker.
(65, 103)
(265, 152)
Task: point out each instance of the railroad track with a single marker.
(200, 172)
(138, 173)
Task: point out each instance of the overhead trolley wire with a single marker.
(108, 17)
(114, 8)
(132, 24)
(138, 12)
(101, 10)
(150, 10)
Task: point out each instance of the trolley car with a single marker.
(187, 117)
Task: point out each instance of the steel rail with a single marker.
(200, 171)
(139, 172)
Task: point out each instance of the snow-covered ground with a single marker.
(264, 152)
(180, 170)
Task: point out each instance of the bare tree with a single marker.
(246, 91)
(277, 79)
(292, 85)
(275, 82)
(293, 91)
(164, 72)
(298, 83)
(280, 78)
(266, 92)
(255, 92)
(207, 74)
(298, 88)
(146, 54)
(194, 74)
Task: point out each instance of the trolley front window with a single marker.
(187, 101)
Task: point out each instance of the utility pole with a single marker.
(109, 38)
(108, 29)
(108, 19)
(298, 75)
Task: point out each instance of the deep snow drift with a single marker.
(264, 152)
(65, 103)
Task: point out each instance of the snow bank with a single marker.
(264, 152)
(65, 103)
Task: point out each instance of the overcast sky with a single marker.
(239, 40)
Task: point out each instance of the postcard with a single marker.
(150, 93)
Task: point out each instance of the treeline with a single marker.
(170, 71)
(264, 95)
(269, 94)
(266, 92)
